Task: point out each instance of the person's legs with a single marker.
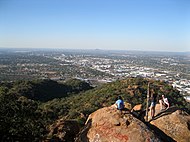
(166, 105)
(152, 109)
(161, 104)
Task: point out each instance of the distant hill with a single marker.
(45, 90)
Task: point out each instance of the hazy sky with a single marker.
(156, 25)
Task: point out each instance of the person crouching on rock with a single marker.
(164, 104)
(119, 103)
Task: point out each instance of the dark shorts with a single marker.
(153, 104)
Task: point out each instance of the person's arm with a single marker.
(116, 104)
(161, 104)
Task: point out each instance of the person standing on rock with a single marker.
(119, 103)
(152, 104)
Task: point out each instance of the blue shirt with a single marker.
(120, 104)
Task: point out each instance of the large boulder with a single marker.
(174, 123)
(110, 125)
(137, 107)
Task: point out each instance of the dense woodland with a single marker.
(29, 107)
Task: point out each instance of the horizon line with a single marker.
(134, 50)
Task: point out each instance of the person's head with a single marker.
(152, 91)
(162, 96)
(119, 98)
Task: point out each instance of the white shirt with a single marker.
(165, 100)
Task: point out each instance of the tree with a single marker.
(19, 119)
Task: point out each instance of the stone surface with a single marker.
(110, 125)
(174, 123)
(137, 107)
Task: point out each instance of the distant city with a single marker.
(96, 66)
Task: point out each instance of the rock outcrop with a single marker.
(110, 125)
(174, 123)
(137, 107)
(63, 131)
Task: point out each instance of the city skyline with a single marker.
(116, 25)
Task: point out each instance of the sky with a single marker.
(145, 25)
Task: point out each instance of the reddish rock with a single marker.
(174, 123)
(127, 105)
(109, 125)
(137, 107)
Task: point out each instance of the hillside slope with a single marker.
(26, 112)
(45, 90)
(133, 91)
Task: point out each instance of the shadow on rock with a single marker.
(165, 112)
(82, 136)
(160, 133)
